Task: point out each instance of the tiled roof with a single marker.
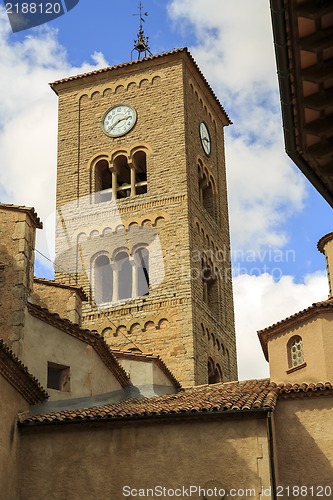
(27, 210)
(148, 358)
(291, 321)
(141, 61)
(223, 398)
(89, 337)
(250, 395)
(285, 389)
(77, 289)
(19, 377)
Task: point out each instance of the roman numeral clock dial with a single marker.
(119, 120)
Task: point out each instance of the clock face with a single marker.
(205, 138)
(119, 120)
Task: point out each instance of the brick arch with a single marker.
(149, 325)
(134, 328)
(163, 323)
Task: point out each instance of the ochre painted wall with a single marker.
(89, 375)
(304, 443)
(11, 404)
(95, 462)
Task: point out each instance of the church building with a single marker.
(119, 378)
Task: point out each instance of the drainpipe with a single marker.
(271, 454)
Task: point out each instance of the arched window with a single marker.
(123, 176)
(295, 351)
(103, 280)
(124, 275)
(141, 259)
(207, 192)
(214, 372)
(103, 182)
(208, 198)
(210, 285)
(140, 172)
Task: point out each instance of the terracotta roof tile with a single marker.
(147, 357)
(90, 337)
(141, 61)
(248, 395)
(309, 312)
(223, 397)
(19, 377)
(21, 208)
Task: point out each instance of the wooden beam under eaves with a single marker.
(320, 100)
(318, 73)
(321, 40)
(315, 10)
(322, 127)
(320, 150)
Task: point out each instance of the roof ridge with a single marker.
(18, 375)
(22, 208)
(91, 337)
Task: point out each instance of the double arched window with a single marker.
(207, 190)
(121, 178)
(124, 277)
(210, 284)
(214, 372)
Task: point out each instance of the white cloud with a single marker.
(28, 119)
(260, 302)
(234, 48)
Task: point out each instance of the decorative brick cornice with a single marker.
(89, 337)
(19, 377)
(322, 242)
(127, 310)
(142, 62)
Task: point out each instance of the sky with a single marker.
(276, 216)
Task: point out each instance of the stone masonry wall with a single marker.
(17, 239)
(167, 321)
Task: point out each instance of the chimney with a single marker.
(325, 246)
(17, 242)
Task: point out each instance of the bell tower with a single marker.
(142, 212)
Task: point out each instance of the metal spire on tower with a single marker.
(141, 43)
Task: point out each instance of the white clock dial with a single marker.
(119, 120)
(205, 138)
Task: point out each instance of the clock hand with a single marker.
(116, 123)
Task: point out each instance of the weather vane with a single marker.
(141, 43)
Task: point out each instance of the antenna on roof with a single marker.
(141, 43)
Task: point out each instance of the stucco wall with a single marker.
(304, 442)
(88, 373)
(315, 357)
(12, 403)
(84, 463)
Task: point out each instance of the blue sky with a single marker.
(275, 214)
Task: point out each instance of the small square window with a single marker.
(58, 377)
